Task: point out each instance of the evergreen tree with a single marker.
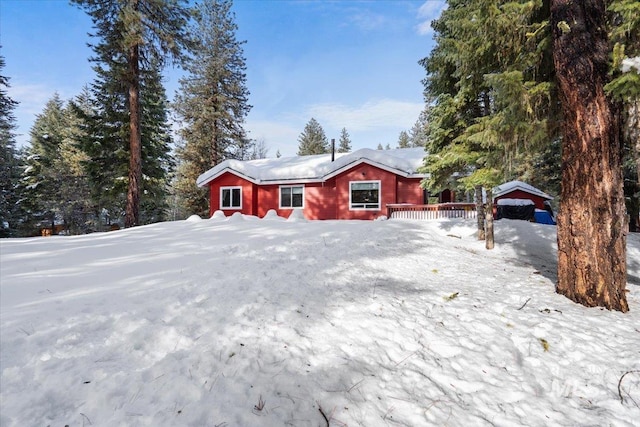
(379, 147)
(212, 102)
(491, 79)
(10, 213)
(624, 31)
(41, 178)
(403, 140)
(141, 32)
(490, 75)
(591, 234)
(157, 161)
(76, 207)
(104, 112)
(344, 144)
(56, 192)
(418, 133)
(312, 140)
(496, 116)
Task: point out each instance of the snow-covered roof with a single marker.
(318, 168)
(510, 186)
(515, 202)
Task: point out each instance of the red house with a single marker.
(355, 185)
(521, 190)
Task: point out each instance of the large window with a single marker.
(364, 195)
(291, 197)
(231, 198)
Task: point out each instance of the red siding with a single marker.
(322, 200)
(409, 191)
(231, 180)
(364, 172)
(519, 194)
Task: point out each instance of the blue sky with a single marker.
(351, 64)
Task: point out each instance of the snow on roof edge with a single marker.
(519, 185)
(317, 168)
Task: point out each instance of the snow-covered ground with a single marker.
(247, 322)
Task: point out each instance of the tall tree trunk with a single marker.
(591, 235)
(632, 133)
(488, 210)
(132, 216)
(480, 212)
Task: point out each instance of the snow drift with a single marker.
(270, 323)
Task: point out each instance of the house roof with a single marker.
(318, 168)
(510, 186)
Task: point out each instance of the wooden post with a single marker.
(489, 220)
(480, 212)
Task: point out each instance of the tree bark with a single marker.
(591, 235)
(132, 215)
(489, 237)
(480, 212)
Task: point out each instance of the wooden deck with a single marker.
(440, 210)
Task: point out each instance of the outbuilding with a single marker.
(519, 200)
(521, 190)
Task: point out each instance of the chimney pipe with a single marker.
(333, 149)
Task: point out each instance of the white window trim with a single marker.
(232, 208)
(280, 197)
(351, 208)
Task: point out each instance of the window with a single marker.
(291, 197)
(364, 195)
(231, 198)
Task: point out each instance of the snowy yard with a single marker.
(246, 322)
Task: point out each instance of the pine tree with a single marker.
(344, 144)
(491, 77)
(104, 112)
(43, 175)
(76, 207)
(418, 133)
(212, 102)
(624, 31)
(312, 140)
(591, 234)
(141, 32)
(403, 140)
(157, 161)
(379, 147)
(10, 213)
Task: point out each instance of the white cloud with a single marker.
(277, 135)
(32, 97)
(367, 20)
(376, 121)
(430, 10)
(31, 100)
(383, 113)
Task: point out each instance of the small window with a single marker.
(292, 197)
(364, 195)
(231, 198)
